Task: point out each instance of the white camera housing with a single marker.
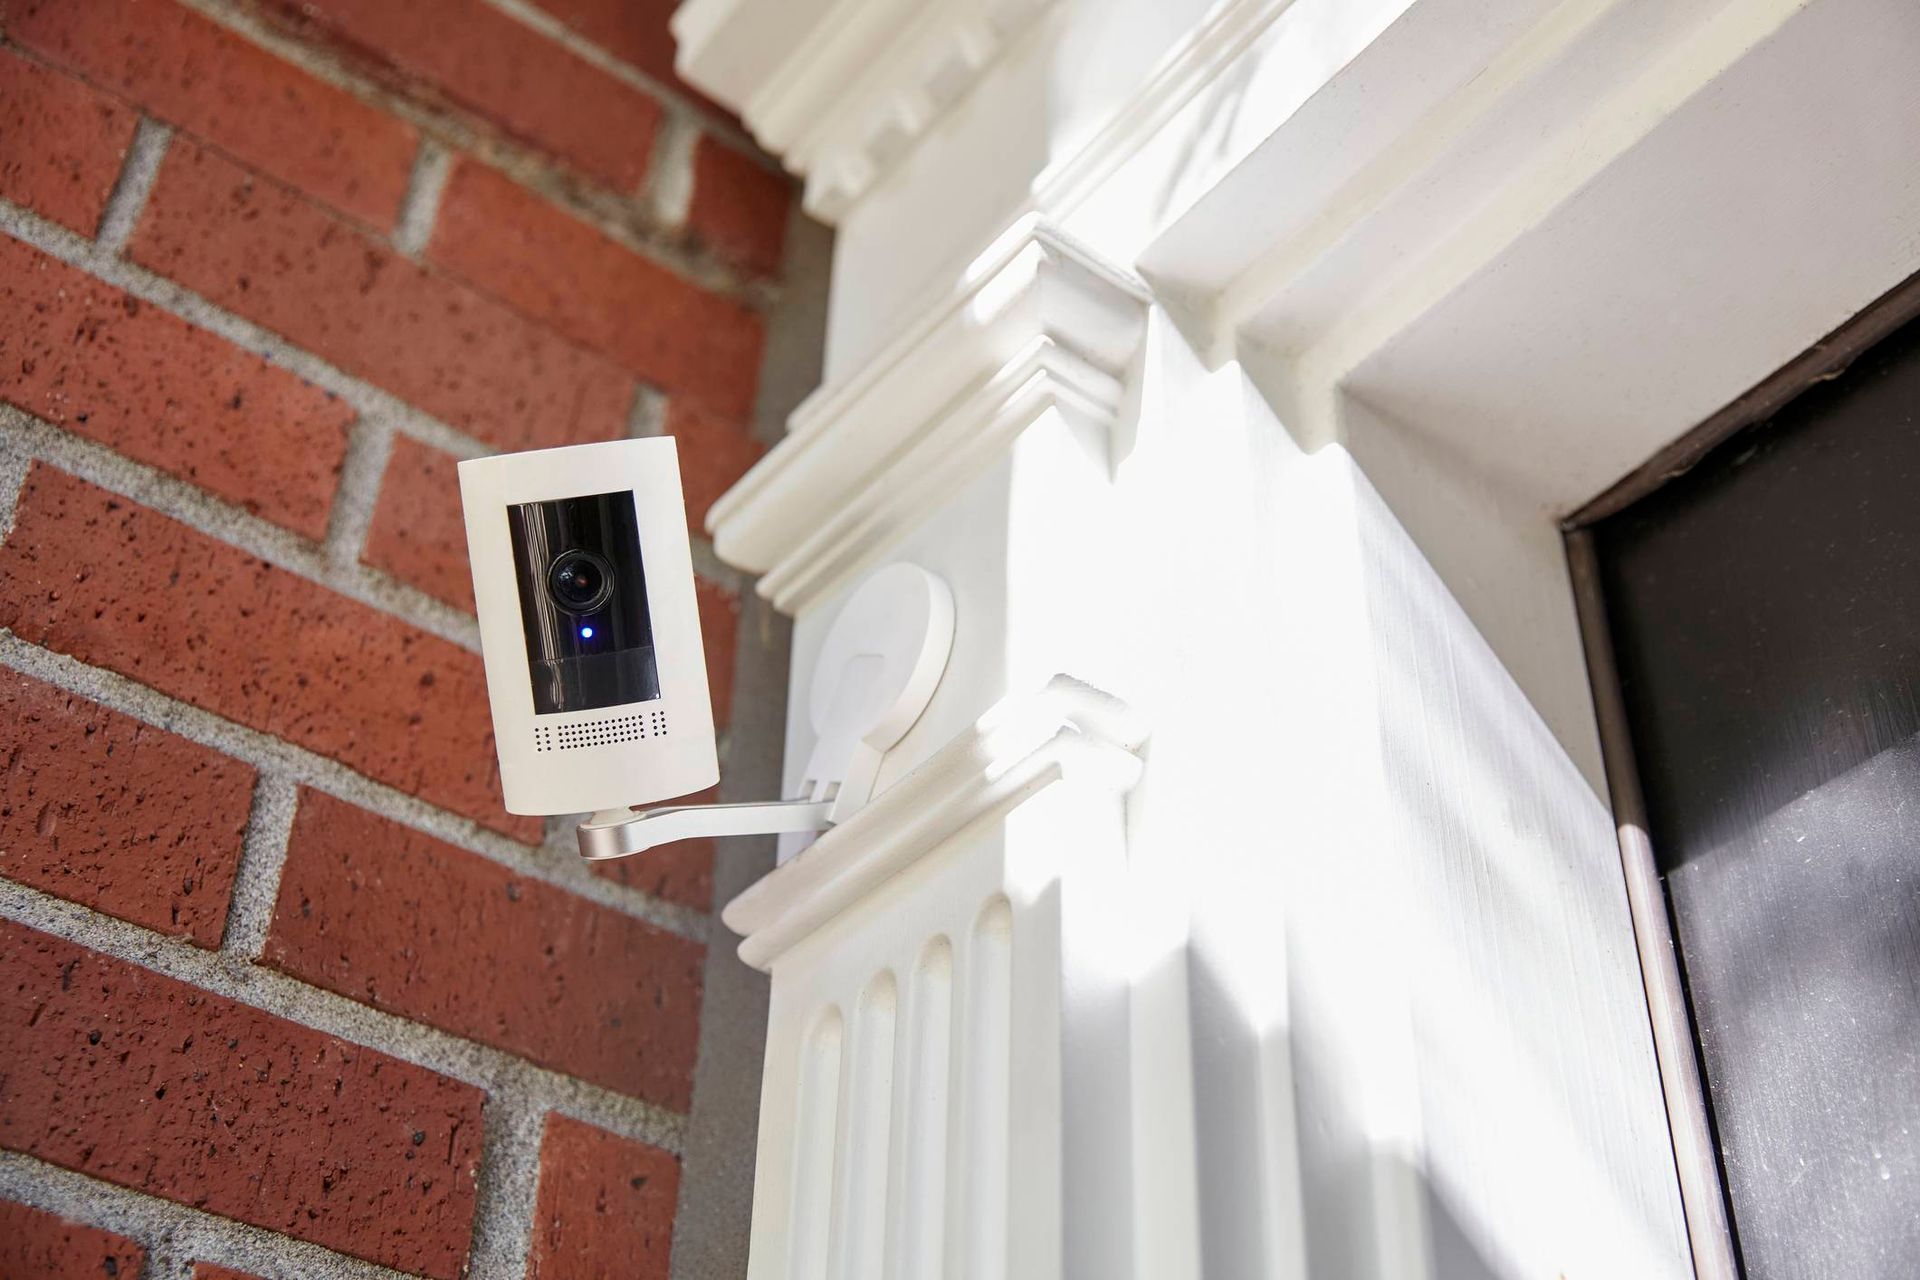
(583, 582)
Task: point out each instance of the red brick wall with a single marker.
(283, 989)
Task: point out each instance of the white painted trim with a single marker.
(1539, 106)
(1447, 240)
(1041, 326)
(1022, 746)
(1568, 163)
(969, 1070)
(1190, 67)
(862, 84)
(1570, 246)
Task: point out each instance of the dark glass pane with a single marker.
(583, 602)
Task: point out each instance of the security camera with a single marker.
(583, 582)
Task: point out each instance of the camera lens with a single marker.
(579, 581)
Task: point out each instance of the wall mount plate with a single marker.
(879, 667)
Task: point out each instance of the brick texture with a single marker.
(209, 1271)
(530, 299)
(104, 365)
(398, 920)
(720, 633)
(596, 291)
(117, 815)
(486, 62)
(43, 1246)
(117, 585)
(418, 533)
(716, 449)
(739, 208)
(266, 112)
(605, 1206)
(143, 1081)
(61, 144)
(261, 250)
(634, 31)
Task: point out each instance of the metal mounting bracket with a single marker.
(878, 668)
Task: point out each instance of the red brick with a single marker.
(44, 1246)
(720, 636)
(596, 291)
(605, 1206)
(739, 208)
(117, 815)
(636, 32)
(104, 365)
(680, 872)
(418, 533)
(91, 574)
(268, 113)
(263, 251)
(715, 451)
(398, 920)
(143, 1081)
(208, 1271)
(61, 144)
(488, 63)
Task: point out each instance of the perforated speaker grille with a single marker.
(607, 732)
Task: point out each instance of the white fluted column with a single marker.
(953, 1045)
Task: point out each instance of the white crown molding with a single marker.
(1041, 326)
(858, 87)
(1200, 60)
(1066, 731)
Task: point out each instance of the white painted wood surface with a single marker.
(950, 1022)
(1346, 986)
(1041, 326)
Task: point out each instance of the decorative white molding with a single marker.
(1023, 745)
(859, 87)
(1438, 150)
(1189, 69)
(963, 1074)
(1040, 325)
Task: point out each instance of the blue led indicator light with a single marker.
(586, 633)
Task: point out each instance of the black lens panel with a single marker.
(583, 602)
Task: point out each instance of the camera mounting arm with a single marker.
(878, 668)
(621, 833)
